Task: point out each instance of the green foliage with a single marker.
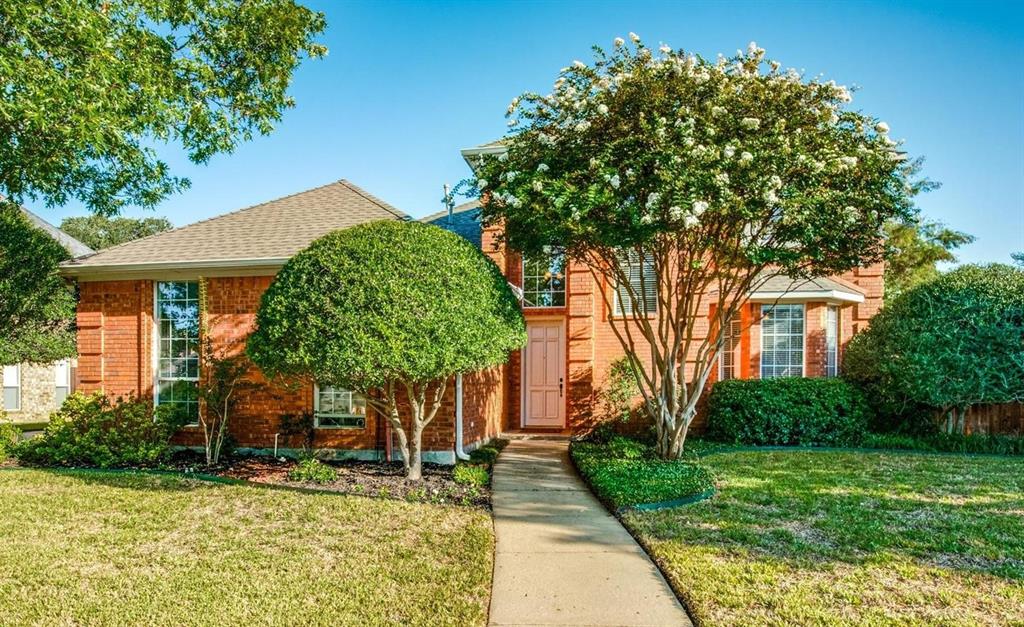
(916, 248)
(615, 398)
(37, 307)
(488, 453)
(90, 88)
(472, 474)
(99, 231)
(10, 435)
(386, 302)
(93, 431)
(948, 443)
(787, 411)
(312, 470)
(625, 473)
(948, 344)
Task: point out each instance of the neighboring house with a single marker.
(138, 323)
(32, 391)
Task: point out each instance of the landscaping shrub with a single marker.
(312, 470)
(9, 436)
(471, 474)
(789, 411)
(93, 431)
(948, 443)
(487, 453)
(626, 473)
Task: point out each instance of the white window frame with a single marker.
(4, 384)
(765, 311)
(833, 320)
(550, 253)
(317, 414)
(629, 258)
(731, 338)
(157, 379)
(59, 383)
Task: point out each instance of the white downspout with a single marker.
(459, 453)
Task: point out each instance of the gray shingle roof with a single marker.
(273, 230)
(465, 221)
(785, 284)
(74, 247)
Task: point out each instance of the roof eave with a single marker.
(802, 296)
(265, 265)
(469, 154)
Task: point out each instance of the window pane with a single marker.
(544, 280)
(12, 398)
(642, 280)
(337, 407)
(782, 341)
(178, 327)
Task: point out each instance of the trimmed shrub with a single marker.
(487, 453)
(9, 437)
(93, 431)
(625, 473)
(312, 470)
(471, 474)
(787, 412)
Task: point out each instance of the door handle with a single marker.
(559, 387)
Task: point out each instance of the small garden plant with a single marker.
(312, 470)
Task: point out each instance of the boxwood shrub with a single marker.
(787, 412)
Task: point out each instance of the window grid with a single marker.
(832, 341)
(177, 318)
(337, 408)
(61, 381)
(644, 281)
(728, 362)
(782, 341)
(12, 387)
(544, 280)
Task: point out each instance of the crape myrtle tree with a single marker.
(947, 344)
(718, 174)
(392, 310)
(37, 307)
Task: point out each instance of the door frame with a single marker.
(523, 386)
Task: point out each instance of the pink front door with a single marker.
(543, 374)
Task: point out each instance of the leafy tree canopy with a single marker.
(950, 343)
(916, 248)
(99, 231)
(37, 307)
(720, 173)
(90, 88)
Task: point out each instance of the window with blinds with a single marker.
(729, 361)
(644, 283)
(832, 341)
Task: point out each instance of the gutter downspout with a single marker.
(460, 454)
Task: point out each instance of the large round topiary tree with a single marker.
(391, 310)
(948, 344)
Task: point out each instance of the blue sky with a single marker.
(407, 84)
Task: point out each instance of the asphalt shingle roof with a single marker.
(465, 221)
(74, 247)
(784, 283)
(272, 230)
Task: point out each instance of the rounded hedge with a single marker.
(386, 301)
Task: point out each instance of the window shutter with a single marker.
(647, 288)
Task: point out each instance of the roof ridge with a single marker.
(398, 213)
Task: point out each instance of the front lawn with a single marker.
(95, 547)
(818, 537)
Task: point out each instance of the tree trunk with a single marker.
(415, 465)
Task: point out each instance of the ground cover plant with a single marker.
(825, 537)
(116, 548)
(625, 473)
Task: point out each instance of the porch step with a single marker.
(518, 434)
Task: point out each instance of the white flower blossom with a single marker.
(665, 49)
(750, 123)
(481, 183)
(718, 111)
(582, 126)
(543, 167)
(770, 197)
(652, 200)
(634, 38)
(699, 207)
(752, 48)
(722, 178)
(746, 157)
(629, 173)
(729, 151)
(579, 65)
(690, 221)
(513, 122)
(537, 186)
(646, 219)
(676, 212)
(512, 105)
(849, 162)
(503, 157)
(511, 175)
(619, 42)
(594, 163)
(882, 128)
(775, 181)
(614, 181)
(602, 109)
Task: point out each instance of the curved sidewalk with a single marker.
(561, 558)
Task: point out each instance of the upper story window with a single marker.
(832, 341)
(177, 347)
(61, 381)
(337, 408)
(12, 388)
(729, 362)
(782, 341)
(544, 279)
(643, 279)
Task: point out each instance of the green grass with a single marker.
(104, 548)
(820, 537)
(625, 473)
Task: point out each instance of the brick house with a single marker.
(138, 326)
(31, 391)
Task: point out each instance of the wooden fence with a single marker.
(1004, 419)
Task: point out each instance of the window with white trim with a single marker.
(544, 279)
(177, 346)
(832, 341)
(61, 381)
(782, 341)
(12, 387)
(729, 361)
(336, 408)
(643, 279)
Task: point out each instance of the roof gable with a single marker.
(74, 247)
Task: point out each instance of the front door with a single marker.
(543, 374)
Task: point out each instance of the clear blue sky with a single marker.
(407, 84)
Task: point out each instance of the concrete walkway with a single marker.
(561, 558)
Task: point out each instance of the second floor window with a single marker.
(643, 279)
(544, 279)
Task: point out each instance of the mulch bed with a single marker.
(362, 478)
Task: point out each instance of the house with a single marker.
(138, 321)
(32, 391)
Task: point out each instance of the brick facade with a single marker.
(38, 394)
